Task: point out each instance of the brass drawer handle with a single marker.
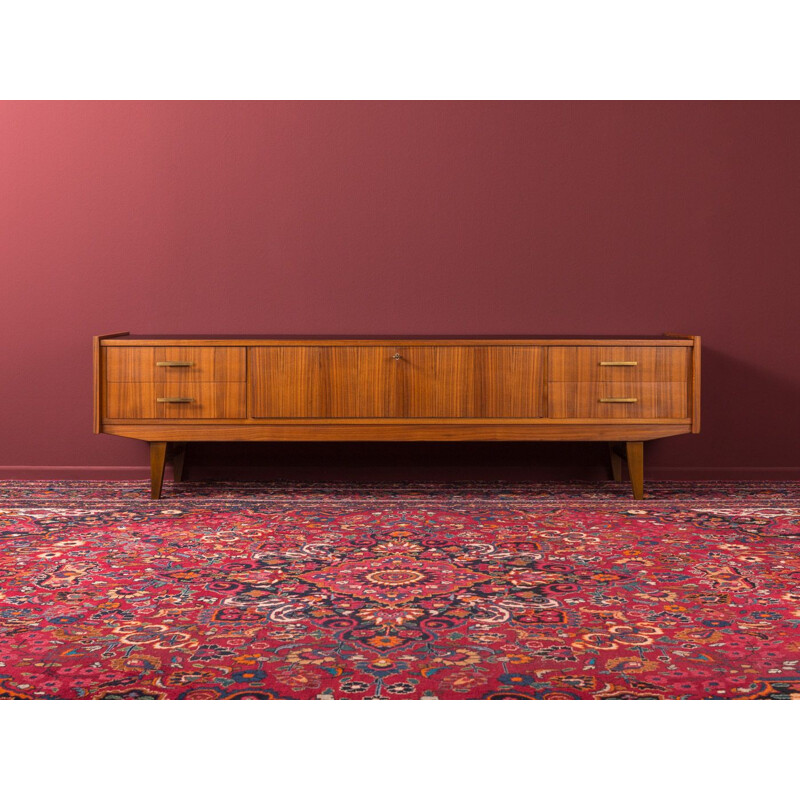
(174, 363)
(619, 399)
(174, 399)
(619, 363)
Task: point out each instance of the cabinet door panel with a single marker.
(509, 382)
(437, 382)
(433, 382)
(470, 382)
(320, 382)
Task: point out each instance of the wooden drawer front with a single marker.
(574, 400)
(390, 382)
(618, 364)
(206, 400)
(141, 364)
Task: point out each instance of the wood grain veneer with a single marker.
(595, 431)
(595, 399)
(669, 364)
(148, 364)
(397, 389)
(205, 400)
(387, 382)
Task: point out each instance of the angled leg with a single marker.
(158, 453)
(636, 467)
(178, 456)
(616, 462)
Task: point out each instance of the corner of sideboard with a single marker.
(97, 363)
(696, 348)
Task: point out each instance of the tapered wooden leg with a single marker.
(635, 452)
(616, 462)
(158, 453)
(178, 456)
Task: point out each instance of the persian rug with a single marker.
(492, 591)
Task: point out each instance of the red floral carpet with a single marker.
(399, 591)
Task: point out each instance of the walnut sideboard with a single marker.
(169, 390)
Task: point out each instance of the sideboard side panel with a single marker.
(695, 384)
(99, 379)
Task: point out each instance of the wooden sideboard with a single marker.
(169, 390)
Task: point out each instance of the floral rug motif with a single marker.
(479, 591)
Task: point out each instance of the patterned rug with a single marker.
(493, 591)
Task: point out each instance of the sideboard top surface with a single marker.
(319, 339)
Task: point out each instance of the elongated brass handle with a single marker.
(619, 399)
(618, 363)
(174, 363)
(174, 399)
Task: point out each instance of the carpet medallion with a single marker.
(495, 591)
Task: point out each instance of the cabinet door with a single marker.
(320, 382)
(473, 382)
(414, 382)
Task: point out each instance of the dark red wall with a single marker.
(402, 217)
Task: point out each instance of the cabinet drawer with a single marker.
(176, 400)
(617, 400)
(158, 364)
(625, 364)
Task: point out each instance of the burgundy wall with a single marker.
(402, 217)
